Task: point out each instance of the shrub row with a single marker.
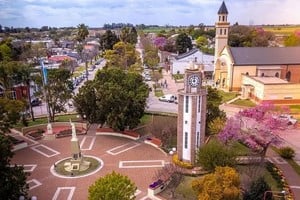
(180, 163)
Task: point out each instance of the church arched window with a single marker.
(247, 73)
(277, 74)
(262, 74)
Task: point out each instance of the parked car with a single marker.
(168, 98)
(289, 118)
(147, 78)
(36, 102)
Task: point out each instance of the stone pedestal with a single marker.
(49, 134)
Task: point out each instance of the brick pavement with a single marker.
(45, 185)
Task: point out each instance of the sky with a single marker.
(95, 13)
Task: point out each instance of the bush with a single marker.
(287, 152)
(257, 189)
(215, 154)
(180, 163)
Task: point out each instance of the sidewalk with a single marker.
(293, 179)
(172, 86)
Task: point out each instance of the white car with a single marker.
(167, 98)
(289, 118)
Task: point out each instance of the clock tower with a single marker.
(191, 115)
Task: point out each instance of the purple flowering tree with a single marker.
(257, 127)
(160, 42)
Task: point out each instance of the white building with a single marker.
(204, 61)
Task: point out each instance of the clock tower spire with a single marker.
(191, 115)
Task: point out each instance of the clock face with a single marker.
(194, 80)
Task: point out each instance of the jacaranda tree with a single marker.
(257, 127)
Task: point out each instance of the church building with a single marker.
(259, 73)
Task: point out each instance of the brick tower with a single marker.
(191, 115)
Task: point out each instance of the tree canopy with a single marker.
(13, 178)
(257, 127)
(128, 35)
(223, 184)
(113, 186)
(183, 43)
(115, 97)
(108, 40)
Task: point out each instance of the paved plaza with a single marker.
(137, 160)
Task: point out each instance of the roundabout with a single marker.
(58, 169)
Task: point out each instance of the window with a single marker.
(198, 139)
(223, 18)
(277, 74)
(247, 74)
(199, 104)
(220, 31)
(185, 122)
(288, 76)
(219, 18)
(185, 140)
(186, 104)
(262, 74)
(225, 31)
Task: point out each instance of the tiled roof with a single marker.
(265, 55)
(223, 9)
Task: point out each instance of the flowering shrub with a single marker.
(180, 163)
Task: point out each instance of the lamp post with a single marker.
(274, 192)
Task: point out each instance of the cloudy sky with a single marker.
(94, 13)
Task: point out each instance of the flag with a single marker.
(45, 72)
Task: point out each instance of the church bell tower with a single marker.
(221, 39)
(191, 115)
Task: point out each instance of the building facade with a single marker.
(191, 115)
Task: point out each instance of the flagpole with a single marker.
(45, 81)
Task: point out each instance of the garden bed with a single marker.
(68, 132)
(36, 134)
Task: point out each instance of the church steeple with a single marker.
(223, 9)
(221, 39)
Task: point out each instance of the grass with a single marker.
(286, 30)
(158, 93)
(294, 165)
(60, 169)
(146, 119)
(227, 96)
(44, 120)
(244, 102)
(184, 190)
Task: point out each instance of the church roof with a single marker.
(223, 9)
(265, 55)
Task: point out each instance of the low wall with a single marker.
(54, 124)
(118, 135)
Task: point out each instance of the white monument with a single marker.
(77, 162)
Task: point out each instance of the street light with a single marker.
(274, 192)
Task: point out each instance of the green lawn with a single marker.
(158, 93)
(44, 120)
(244, 102)
(227, 96)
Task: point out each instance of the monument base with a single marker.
(77, 165)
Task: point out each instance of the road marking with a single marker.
(59, 189)
(141, 163)
(295, 187)
(115, 151)
(93, 138)
(27, 168)
(41, 146)
(35, 182)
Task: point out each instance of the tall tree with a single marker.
(113, 186)
(82, 32)
(183, 43)
(128, 35)
(214, 100)
(120, 98)
(58, 92)
(13, 178)
(122, 56)
(257, 127)
(108, 40)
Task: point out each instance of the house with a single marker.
(181, 62)
(259, 73)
